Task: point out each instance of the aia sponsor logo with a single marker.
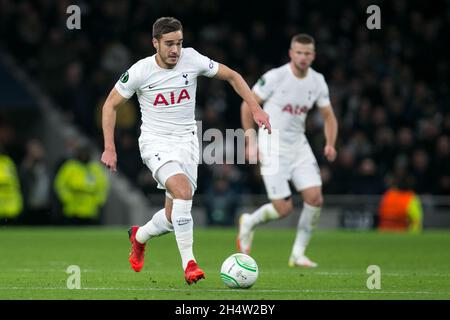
(171, 98)
(297, 110)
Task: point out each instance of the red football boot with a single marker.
(193, 273)
(137, 250)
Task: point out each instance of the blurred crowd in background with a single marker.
(389, 87)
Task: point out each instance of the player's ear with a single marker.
(155, 44)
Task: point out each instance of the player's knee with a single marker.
(179, 187)
(315, 200)
(183, 192)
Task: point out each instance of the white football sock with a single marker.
(157, 226)
(306, 224)
(183, 227)
(263, 214)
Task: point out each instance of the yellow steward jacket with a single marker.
(82, 188)
(11, 202)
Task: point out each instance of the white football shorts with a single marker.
(299, 166)
(167, 157)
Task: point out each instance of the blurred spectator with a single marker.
(400, 208)
(146, 182)
(71, 145)
(76, 98)
(369, 180)
(222, 192)
(428, 133)
(385, 149)
(36, 183)
(405, 141)
(127, 118)
(327, 177)
(82, 187)
(421, 171)
(360, 145)
(446, 124)
(116, 58)
(441, 166)
(11, 202)
(343, 170)
(128, 151)
(54, 57)
(8, 139)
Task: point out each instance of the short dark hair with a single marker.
(166, 25)
(303, 38)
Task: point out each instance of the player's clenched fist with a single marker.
(109, 159)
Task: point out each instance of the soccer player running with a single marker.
(165, 84)
(288, 93)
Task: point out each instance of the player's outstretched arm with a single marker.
(246, 113)
(251, 148)
(109, 110)
(331, 129)
(240, 86)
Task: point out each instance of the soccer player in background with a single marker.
(165, 84)
(288, 93)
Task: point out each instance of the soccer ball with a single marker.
(239, 271)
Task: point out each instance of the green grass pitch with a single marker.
(33, 264)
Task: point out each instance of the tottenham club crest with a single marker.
(185, 75)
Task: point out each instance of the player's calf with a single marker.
(283, 207)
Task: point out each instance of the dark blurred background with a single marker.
(389, 87)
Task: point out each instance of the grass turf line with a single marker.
(33, 265)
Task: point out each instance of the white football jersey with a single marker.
(287, 100)
(167, 96)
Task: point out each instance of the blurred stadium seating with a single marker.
(389, 88)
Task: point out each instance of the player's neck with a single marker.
(162, 64)
(299, 73)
